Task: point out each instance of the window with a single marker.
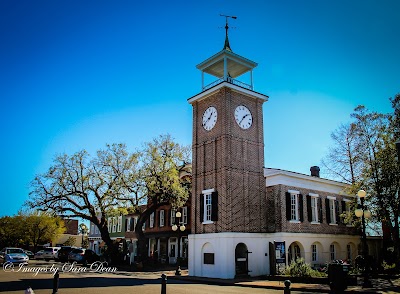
(128, 224)
(293, 252)
(348, 252)
(119, 228)
(208, 206)
(109, 224)
(172, 219)
(132, 224)
(91, 228)
(114, 224)
(313, 208)
(332, 251)
(294, 206)
(162, 219)
(331, 210)
(151, 225)
(185, 215)
(294, 212)
(314, 256)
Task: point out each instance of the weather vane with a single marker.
(226, 45)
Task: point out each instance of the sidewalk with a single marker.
(379, 285)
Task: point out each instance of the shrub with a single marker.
(299, 268)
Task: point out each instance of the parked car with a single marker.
(84, 256)
(14, 255)
(30, 254)
(39, 254)
(62, 254)
(50, 253)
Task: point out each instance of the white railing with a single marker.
(229, 80)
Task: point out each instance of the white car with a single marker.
(38, 255)
(14, 255)
(50, 253)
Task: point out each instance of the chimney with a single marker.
(314, 171)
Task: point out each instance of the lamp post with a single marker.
(364, 213)
(182, 227)
(84, 230)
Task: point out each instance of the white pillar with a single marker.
(202, 80)
(225, 68)
(251, 79)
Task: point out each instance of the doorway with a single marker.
(241, 260)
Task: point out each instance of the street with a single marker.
(41, 280)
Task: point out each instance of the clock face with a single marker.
(243, 117)
(209, 118)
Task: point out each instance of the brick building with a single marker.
(247, 218)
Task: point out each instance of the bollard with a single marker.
(55, 282)
(163, 284)
(286, 290)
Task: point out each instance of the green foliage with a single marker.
(32, 228)
(388, 267)
(299, 268)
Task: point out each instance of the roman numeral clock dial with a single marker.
(243, 117)
(209, 118)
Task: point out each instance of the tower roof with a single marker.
(236, 64)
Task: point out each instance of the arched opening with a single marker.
(294, 252)
(241, 260)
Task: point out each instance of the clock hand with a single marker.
(243, 118)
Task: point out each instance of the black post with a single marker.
(366, 282)
(286, 290)
(163, 284)
(56, 282)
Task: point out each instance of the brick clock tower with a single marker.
(229, 194)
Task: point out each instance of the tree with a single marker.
(11, 231)
(364, 156)
(343, 160)
(32, 228)
(114, 181)
(42, 228)
(78, 186)
(162, 162)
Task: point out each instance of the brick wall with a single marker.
(277, 196)
(230, 160)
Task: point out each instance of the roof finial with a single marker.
(226, 45)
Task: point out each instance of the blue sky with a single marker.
(79, 74)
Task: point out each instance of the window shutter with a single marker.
(201, 208)
(301, 207)
(167, 215)
(126, 224)
(337, 211)
(288, 214)
(328, 215)
(188, 215)
(214, 206)
(320, 210)
(309, 212)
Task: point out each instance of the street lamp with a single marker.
(84, 230)
(364, 213)
(182, 228)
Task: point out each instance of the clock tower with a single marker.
(228, 184)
